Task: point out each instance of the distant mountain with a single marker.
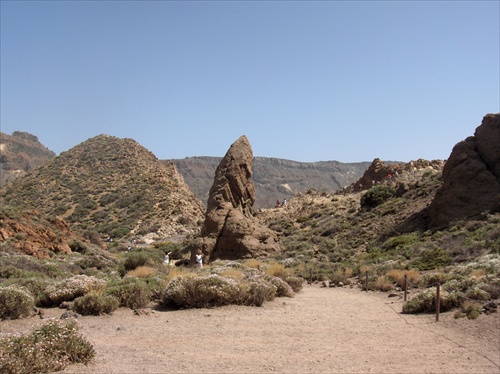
(111, 186)
(274, 178)
(20, 153)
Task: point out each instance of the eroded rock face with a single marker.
(230, 231)
(31, 234)
(471, 177)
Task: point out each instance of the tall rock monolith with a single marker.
(230, 231)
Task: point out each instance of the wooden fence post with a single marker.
(406, 286)
(438, 300)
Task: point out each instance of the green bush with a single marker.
(425, 302)
(430, 279)
(48, 348)
(431, 258)
(15, 302)
(132, 293)
(476, 293)
(376, 196)
(95, 304)
(133, 260)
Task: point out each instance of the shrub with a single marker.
(492, 289)
(295, 282)
(283, 289)
(430, 279)
(376, 196)
(77, 246)
(201, 291)
(400, 241)
(432, 258)
(95, 304)
(255, 292)
(134, 259)
(15, 302)
(476, 293)
(131, 293)
(71, 288)
(10, 271)
(425, 302)
(48, 348)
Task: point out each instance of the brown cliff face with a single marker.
(30, 233)
(230, 231)
(471, 177)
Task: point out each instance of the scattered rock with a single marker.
(70, 314)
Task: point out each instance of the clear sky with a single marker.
(305, 81)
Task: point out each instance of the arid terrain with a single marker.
(321, 330)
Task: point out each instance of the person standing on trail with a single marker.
(199, 260)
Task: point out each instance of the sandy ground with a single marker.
(321, 330)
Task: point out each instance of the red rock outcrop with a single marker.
(230, 231)
(31, 234)
(471, 177)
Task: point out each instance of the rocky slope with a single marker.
(274, 178)
(111, 186)
(29, 232)
(20, 153)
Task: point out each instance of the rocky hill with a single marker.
(20, 153)
(274, 178)
(110, 186)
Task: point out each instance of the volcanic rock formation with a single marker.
(230, 231)
(28, 232)
(471, 177)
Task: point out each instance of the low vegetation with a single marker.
(46, 349)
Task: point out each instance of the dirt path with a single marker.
(321, 330)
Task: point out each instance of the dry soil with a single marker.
(321, 330)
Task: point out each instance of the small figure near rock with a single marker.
(199, 260)
(166, 259)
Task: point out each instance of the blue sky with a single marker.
(304, 81)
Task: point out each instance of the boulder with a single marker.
(471, 177)
(230, 230)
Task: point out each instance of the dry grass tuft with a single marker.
(383, 284)
(232, 273)
(277, 270)
(142, 272)
(399, 276)
(253, 263)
